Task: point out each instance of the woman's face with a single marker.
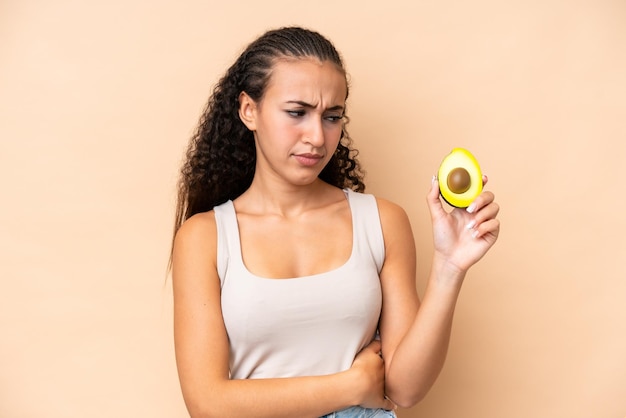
(298, 122)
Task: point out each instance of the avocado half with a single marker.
(460, 178)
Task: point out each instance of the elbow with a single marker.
(197, 411)
(205, 401)
(407, 391)
(201, 412)
(407, 398)
(200, 409)
(409, 402)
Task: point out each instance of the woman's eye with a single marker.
(334, 118)
(295, 113)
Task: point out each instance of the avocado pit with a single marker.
(459, 180)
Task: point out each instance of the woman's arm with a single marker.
(202, 349)
(415, 338)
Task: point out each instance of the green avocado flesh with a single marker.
(460, 178)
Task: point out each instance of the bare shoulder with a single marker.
(392, 215)
(197, 228)
(397, 232)
(195, 244)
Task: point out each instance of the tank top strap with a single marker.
(368, 233)
(228, 244)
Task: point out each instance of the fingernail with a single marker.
(474, 234)
(471, 208)
(434, 179)
(470, 224)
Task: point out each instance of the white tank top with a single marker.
(304, 326)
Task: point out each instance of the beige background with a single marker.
(97, 102)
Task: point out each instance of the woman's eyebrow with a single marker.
(310, 106)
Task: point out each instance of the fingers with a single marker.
(388, 405)
(485, 210)
(434, 203)
(374, 346)
(484, 199)
(372, 365)
(492, 226)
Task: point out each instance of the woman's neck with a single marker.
(286, 200)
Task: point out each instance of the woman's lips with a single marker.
(308, 160)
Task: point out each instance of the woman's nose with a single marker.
(315, 133)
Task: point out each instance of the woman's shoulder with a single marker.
(393, 218)
(195, 249)
(199, 230)
(389, 209)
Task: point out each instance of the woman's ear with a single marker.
(247, 111)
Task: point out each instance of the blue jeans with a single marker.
(358, 412)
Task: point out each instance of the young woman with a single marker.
(294, 292)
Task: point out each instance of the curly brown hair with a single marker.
(221, 157)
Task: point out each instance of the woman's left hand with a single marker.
(463, 236)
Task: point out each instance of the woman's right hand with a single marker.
(371, 377)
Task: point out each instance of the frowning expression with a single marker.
(297, 124)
